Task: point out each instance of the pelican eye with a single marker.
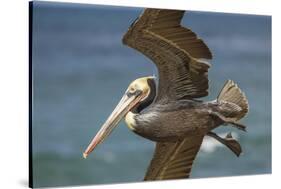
(132, 90)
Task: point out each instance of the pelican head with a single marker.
(139, 95)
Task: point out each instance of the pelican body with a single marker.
(169, 112)
(175, 120)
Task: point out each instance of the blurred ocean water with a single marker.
(81, 69)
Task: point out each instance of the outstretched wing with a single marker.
(173, 160)
(177, 52)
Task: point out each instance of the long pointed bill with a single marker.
(123, 107)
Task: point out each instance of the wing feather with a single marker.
(176, 51)
(173, 160)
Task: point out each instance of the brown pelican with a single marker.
(171, 114)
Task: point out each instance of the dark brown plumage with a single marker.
(175, 50)
(171, 115)
(173, 160)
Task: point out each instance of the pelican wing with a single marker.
(177, 52)
(173, 160)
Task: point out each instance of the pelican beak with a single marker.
(127, 102)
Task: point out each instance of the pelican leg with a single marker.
(229, 121)
(229, 142)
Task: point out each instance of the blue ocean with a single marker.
(81, 69)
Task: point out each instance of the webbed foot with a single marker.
(228, 141)
(231, 121)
